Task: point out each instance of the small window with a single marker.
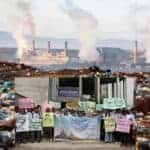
(88, 86)
(68, 82)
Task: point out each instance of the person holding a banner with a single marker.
(123, 125)
(29, 113)
(35, 125)
(109, 125)
(133, 126)
(22, 126)
(48, 123)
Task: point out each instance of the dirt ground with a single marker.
(71, 145)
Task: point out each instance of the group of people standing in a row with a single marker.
(32, 125)
(119, 132)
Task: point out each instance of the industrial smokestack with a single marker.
(49, 45)
(135, 52)
(66, 45)
(66, 48)
(33, 45)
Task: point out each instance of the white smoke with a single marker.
(141, 18)
(21, 19)
(147, 41)
(20, 40)
(25, 7)
(87, 26)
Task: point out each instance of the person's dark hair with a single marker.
(38, 106)
(48, 109)
(124, 112)
(30, 109)
(16, 109)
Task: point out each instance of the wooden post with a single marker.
(98, 90)
(118, 87)
(80, 87)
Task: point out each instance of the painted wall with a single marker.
(35, 88)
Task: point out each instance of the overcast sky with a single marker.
(116, 18)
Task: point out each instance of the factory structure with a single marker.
(118, 59)
(35, 56)
(138, 59)
(49, 58)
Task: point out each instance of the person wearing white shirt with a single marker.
(131, 117)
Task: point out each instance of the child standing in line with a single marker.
(48, 123)
(30, 114)
(108, 132)
(117, 134)
(124, 135)
(36, 131)
(21, 126)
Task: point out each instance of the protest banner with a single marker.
(110, 124)
(77, 127)
(109, 103)
(35, 125)
(99, 107)
(114, 103)
(45, 105)
(48, 119)
(26, 103)
(62, 128)
(55, 105)
(72, 105)
(123, 125)
(120, 103)
(87, 106)
(22, 123)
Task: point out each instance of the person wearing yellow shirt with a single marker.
(48, 123)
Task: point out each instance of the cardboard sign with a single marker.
(99, 107)
(72, 105)
(87, 106)
(55, 105)
(123, 125)
(120, 103)
(48, 119)
(35, 125)
(45, 106)
(26, 103)
(22, 123)
(114, 103)
(110, 124)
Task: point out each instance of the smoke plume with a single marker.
(147, 41)
(22, 19)
(141, 20)
(87, 26)
(25, 7)
(20, 40)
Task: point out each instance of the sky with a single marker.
(116, 18)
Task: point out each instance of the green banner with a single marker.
(99, 107)
(87, 106)
(114, 103)
(56, 105)
(110, 124)
(35, 125)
